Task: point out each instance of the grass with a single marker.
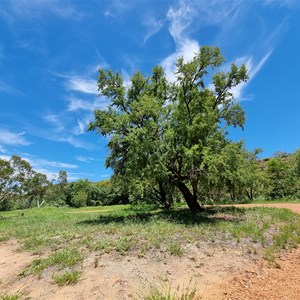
(165, 293)
(64, 236)
(10, 297)
(66, 278)
(176, 249)
(61, 260)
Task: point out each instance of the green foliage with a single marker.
(162, 133)
(165, 293)
(20, 185)
(175, 248)
(79, 199)
(66, 278)
(283, 176)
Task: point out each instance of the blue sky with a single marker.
(50, 51)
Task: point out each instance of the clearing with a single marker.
(123, 255)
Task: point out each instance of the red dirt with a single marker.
(262, 281)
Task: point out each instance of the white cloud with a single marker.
(226, 14)
(38, 162)
(84, 159)
(81, 127)
(48, 167)
(44, 166)
(286, 3)
(82, 85)
(117, 7)
(75, 142)
(29, 9)
(253, 68)
(180, 20)
(5, 88)
(153, 26)
(76, 104)
(187, 50)
(5, 157)
(11, 138)
(56, 121)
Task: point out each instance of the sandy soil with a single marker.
(261, 281)
(125, 277)
(217, 271)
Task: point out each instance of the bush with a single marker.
(6, 205)
(79, 199)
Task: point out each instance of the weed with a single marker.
(4, 238)
(66, 278)
(165, 293)
(124, 244)
(175, 249)
(10, 297)
(62, 259)
(270, 257)
(96, 262)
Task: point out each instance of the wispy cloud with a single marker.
(5, 88)
(85, 159)
(73, 141)
(153, 26)
(12, 138)
(81, 127)
(117, 7)
(180, 20)
(48, 167)
(42, 163)
(281, 3)
(253, 68)
(38, 9)
(56, 121)
(76, 104)
(226, 16)
(82, 85)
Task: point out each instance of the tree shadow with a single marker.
(211, 215)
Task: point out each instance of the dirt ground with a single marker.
(217, 272)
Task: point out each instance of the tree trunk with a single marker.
(164, 198)
(190, 199)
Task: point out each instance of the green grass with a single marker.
(175, 248)
(165, 293)
(62, 259)
(64, 236)
(10, 297)
(66, 278)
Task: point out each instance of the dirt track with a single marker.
(295, 207)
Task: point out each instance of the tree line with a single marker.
(236, 175)
(21, 187)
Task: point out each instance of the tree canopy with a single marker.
(163, 134)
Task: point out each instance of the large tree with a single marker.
(163, 132)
